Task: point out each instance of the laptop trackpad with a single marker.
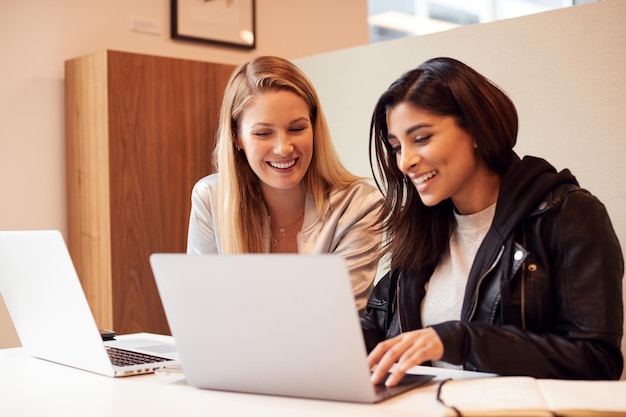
(408, 382)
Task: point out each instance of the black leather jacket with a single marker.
(544, 295)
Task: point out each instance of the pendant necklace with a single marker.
(283, 230)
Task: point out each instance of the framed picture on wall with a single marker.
(220, 22)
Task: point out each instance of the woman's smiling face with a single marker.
(437, 155)
(276, 135)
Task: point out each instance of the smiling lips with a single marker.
(283, 165)
(423, 178)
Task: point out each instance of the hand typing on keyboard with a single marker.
(407, 349)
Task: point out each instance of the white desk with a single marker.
(33, 387)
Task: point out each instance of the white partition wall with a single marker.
(564, 69)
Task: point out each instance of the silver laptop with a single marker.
(51, 315)
(275, 324)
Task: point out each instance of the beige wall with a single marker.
(36, 37)
(565, 70)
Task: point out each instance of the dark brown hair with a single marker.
(418, 234)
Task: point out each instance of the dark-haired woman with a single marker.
(498, 264)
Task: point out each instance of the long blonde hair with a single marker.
(241, 209)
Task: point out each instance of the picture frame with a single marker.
(228, 23)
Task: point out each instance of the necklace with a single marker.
(284, 229)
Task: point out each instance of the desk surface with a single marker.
(34, 387)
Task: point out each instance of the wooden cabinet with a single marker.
(140, 132)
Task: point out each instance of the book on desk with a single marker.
(527, 396)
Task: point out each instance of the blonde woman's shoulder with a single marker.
(358, 192)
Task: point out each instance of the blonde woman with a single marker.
(279, 186)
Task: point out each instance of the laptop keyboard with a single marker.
(123, 357)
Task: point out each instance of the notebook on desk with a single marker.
(51, 315)
(282, 325)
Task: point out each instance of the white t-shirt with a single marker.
(446, 289)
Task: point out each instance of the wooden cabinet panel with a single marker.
(140, 132)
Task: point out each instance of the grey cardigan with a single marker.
(341, 229)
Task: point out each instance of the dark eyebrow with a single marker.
(410, 130)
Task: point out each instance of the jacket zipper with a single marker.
(480, 281)
(523, 285)
(523, 299)
(398, 304)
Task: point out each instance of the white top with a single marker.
(446, 289)
(342, 229)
